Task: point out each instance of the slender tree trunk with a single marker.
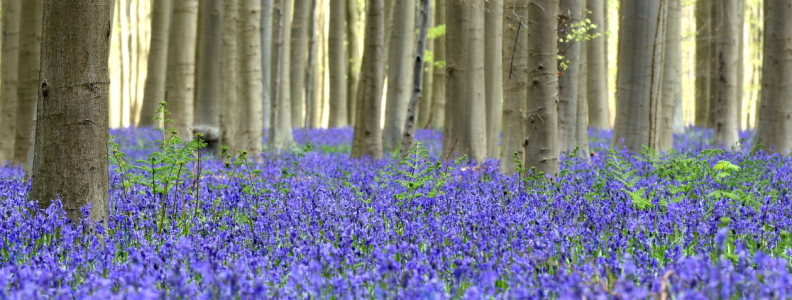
(717, 22)
(581, 121)
(266, 60)
(570, 18)
(465, 132)
(298, 59)
(367, 139)
(9, 71)
(493, 77)
(641, 46)
(250, 78)
(703, 45)
(439, 80)
(207, 96)
(672, 74)
(280, 135)
(180, 86)
(157, 62)
(76, 95)
(408, 140)
(229, 68)
(399, 72)
(29, 54)
(597, 92)
(740, 61)
(515, 82)
(425, 105)
(338, 86)
(541, 116)
(726, 120)
(353, 58)
(312, 69)
(774, 129)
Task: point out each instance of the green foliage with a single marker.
(576, 32)
(420, 171)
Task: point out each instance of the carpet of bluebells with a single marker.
(311, 223)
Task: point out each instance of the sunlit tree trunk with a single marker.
(672, 75)
(597, 91)
(229, 68)
(266, 60)
(367, 139)
(76, 95)
(207, 96)
(250, 78)
(299, 58)
(726, 121)
(280, 133)
(493, 80)
(439, 80)
(774, 130)
(9, 71)
(29, 54)
(180, 87)
(581, 120)
(399, 72)
(157, 62)
(515, 82)
(338, 85)
(570, 17)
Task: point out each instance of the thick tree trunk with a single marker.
(280, 134)
(29, 54)
(515, 82)
(541, 116)
(465, 132)
(299, 59)
(400, 72)
(161, 14)
(229, 68)
(774, 130)
(439, 80)
(725, 91)
(597, 91)
(367, 139)
(250, 78)
(672, 75)
(266, 60)
(9, 71)
(207, 96)
(338, 86)
(180, 88)
(73, 103)
(493, 77)
(570, 17)
(640, 75)
(408, 140)
(703, 45)
(353, 58)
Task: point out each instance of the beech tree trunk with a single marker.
(266, 60)
(570, 17)
(180, 86)
(425, 106)
(154, 92)
(73, 109)
(251, 125)
(336, 56)
(299, 59)
(400, 72)
(9, 71)
(703, 45)
(280, 133)
(493, 77)
(581, 121)
(515, 82)
(774, 130)
(229, 68)
(672, 75)
(408, 140)
(353, 58)
(367, 139)
(726, 121)
(29, 54)
(597, 85)
(207, 96)
(439, 80)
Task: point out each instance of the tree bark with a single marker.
(298, 59)
(353, 58)
(774, 130)
(464, 133)
(597, 91)
(581, 121)
(207, 96)
(570, 18)
(180, 87)
(703, 45)
(515, 82)
(541, 116)
(725, 91)
(367, 139)
(439, 73)
(641, 45)
(266, 60)
(338, 86)
(672, 75)
(425, 106)
(280, 134)
(408, 140)
(229, 68)
(399, 72)
(73, 103)
(161, 14)
(250, 78)
(493, 77)
(9, 71)
(29, 54)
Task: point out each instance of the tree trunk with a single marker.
(597, 91)
(740, 61)
(439, 80)
(207, 96)
(399, 72)
(161, 14)
(312, 71)
(73, 103)
(703, 45)
(425, 106)
(541, 115)
(642, 31)
(717, 22)
(266, 60)
(774, 130)
(465, 132)
(280, 134)
(353, 58)
(672, 75)
(299, 59)
(725, 92)
(29, 54)
(570, 18)
(180, 89)
(338, 86)
(229, 68)
(515, 82)
(9, 71)
(367, 139)
(493, 77)
(408, 140)
(581, 121)
(250, 78)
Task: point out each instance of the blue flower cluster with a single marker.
(693, 224)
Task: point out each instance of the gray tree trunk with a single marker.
(515, 82)
(493, 77)
(299, 60)
(400, 72)
(9, 71)
(774, 130)
(251, 125)
(29, 54)
(353, 58)
(425, 106)
(581, 120)
(541, 115)
(229, 68)
(726, 121)
(408, 140)
(641, 45)
(465, 132)
(672, 75)
(439, 80)
(367, 139)
(76, 93)
(154, 92)
(280, 134)
(337, 63)
(180, 87)
(740, 61)
(266, 60)
(570, 16)
(597, 91)
(703, 57)
(207, 96)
